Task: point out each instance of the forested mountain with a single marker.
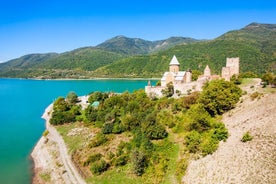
(255, 45)
(79, 63)
(135, 46)
(27, 61)
(120, 56)
(74, 64)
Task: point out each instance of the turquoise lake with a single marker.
(21, 106)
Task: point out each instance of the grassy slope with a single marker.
(124, 174)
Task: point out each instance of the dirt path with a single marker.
(52, 161)
(237, 162)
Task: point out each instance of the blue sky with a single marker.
(41, 26)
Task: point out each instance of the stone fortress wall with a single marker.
(182, 80)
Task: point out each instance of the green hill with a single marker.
(120, 56)
(255, 45)
(74, 64)
(79, 63)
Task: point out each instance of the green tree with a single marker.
(219, 96)
(97, 96)
(139, 162)
(169, 90)
(60, 104)
(200, 119)
(195, 74)
(72, 98)
(268, 78)
(99, 167)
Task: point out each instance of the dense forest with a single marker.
(141, 139)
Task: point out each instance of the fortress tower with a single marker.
(234, 64)
(188, 76)
(232, 68)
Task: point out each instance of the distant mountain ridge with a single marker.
(255, 44)
(135, 46)
(121, 56)
(79, 62)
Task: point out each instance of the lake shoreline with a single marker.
(90, 79)
(51, 161)
(21, 132)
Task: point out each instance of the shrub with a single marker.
(60, 105)
(190, 100)
(92, 158)
(219, 132)
(246, 137)
(97, 96)
(98, 140)
(117, 128)
(122, 148)
(236, 79)
(165, 117)
(107, 128)
(200, 120)
(110, 155)
(59, 118)
(181, 167)
(91, 114)
(45, 133)
(121, 160)
(268, 78)
(208, 145)
(156, 131)
(192, 141)
(169, 90)
(139, 162)
(141, 141)
(72, 98)
(255, 95)
(99, 167)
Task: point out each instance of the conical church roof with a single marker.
(174, 61)
(207, 68)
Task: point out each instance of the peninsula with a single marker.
(233, 161)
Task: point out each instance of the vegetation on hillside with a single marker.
(137, 46)
(141, 139)
(255, 47)
(132, 57)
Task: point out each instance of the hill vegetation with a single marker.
(80, 63)
(255, 45)
(133, 57)
(137, 46)
(130, 137)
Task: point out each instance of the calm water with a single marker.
(22, 102)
